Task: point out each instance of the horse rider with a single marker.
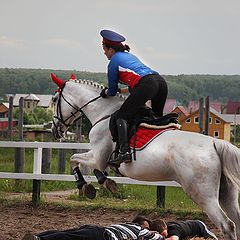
(143, 84)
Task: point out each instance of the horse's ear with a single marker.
(73, 77)
(57, 80)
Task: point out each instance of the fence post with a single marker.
(37, 167)
(20, 152)
(36, 192)
(161, 190)
(10, 118)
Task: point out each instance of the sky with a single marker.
(171, 36)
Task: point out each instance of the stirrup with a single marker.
(122, 157)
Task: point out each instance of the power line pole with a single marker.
(201, 109)
(207, 114)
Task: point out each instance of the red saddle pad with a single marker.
(145, 135)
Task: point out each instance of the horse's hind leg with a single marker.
(217, 216)
(207, 199)
(228, 197)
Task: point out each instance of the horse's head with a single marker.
(66, 112)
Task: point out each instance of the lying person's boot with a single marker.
(30, 236)
(124, 151)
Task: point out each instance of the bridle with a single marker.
(59, 115)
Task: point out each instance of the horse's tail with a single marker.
(230, 158)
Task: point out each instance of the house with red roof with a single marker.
(4, 110)
(169, 105)
(219, 126)
(194, 105)
(233, 107)
(182, 112)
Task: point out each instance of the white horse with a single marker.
(208, 169)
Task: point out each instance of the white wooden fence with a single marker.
(37, 165)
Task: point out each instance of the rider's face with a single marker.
(109, 52)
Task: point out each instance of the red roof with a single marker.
(170, 105)
(217, 106)
(183, 110)
(194, 105)
(233, 107)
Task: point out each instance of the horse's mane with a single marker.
(97, 86)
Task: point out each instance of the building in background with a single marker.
(182, 112)
(4, 109)
(169, 105)
(232, 108)
(32, 101)
(194, 106)
(219, 126)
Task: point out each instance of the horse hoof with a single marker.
(110, 185)
(89, 191)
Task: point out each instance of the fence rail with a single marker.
(37, 165)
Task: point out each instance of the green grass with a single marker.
(7, 158)
(139, 197)
(128, 196)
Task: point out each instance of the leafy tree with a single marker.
(182, 87)
(37, 116)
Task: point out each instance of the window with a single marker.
(216, 134)
(210, 120)
(217, 121)
(196, 120)
(188, 120)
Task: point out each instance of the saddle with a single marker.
(145, 118)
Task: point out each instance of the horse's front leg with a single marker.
(83, 159)
(87, 159)
(108, 183)
(77, 159)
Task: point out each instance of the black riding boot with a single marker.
(124, 151)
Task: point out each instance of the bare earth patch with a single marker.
(16, 220)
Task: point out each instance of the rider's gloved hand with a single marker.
(103, 93)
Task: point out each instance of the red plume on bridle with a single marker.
(73, 77)
(57, 80)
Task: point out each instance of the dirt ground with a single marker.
(16, 220)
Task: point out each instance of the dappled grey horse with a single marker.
(208, 169)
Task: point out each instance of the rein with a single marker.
(73, 114)
(101, 119)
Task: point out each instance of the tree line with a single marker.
(183, 88)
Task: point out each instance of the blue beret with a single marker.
(111, 37)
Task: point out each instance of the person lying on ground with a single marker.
(131, 231)
(181, 229)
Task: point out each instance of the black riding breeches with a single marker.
(85, 232)
(151, 87)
